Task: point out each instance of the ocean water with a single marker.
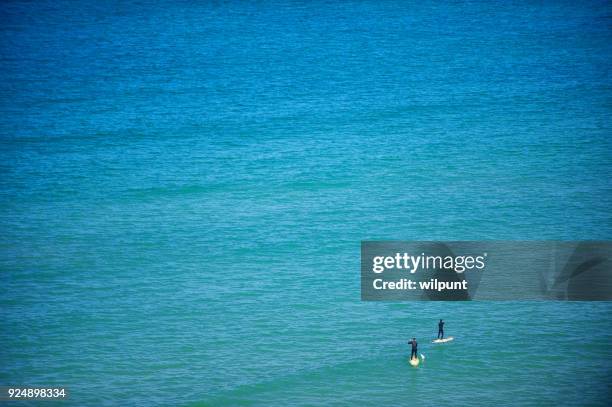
(184, 188)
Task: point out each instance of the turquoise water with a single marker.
(184, 189)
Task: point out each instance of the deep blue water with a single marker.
(184, 187)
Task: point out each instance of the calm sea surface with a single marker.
(184, 188)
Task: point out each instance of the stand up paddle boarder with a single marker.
(441, 329)
(413, 354)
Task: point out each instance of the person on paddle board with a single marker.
(441, 329)
(413, 342)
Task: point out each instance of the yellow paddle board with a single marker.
(415, 361)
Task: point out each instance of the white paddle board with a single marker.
(450, 338)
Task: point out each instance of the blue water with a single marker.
(184, 189)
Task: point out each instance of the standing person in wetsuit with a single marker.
(413, 342)
(441, 329)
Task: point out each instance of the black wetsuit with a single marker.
(414, 350)
(441, 330)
